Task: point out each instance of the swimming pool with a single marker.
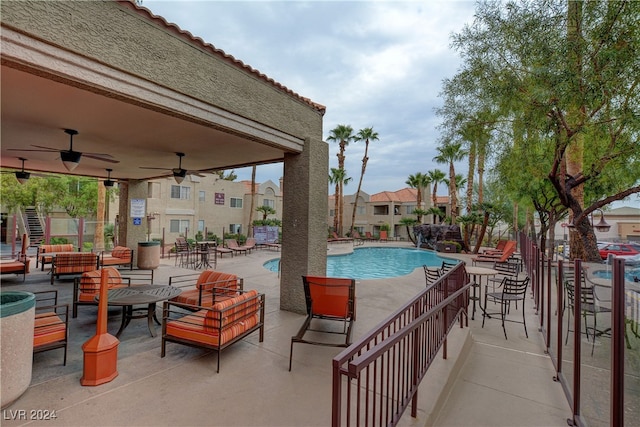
(631, 275)
(374, 263)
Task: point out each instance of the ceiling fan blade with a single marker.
(100, 157)
(31, 149)
(96, 155)
(46, 148)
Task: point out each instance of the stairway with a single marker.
(34, 226)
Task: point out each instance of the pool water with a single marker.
(374, 263)
(632, 275)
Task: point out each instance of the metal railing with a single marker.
(593, 381)
(377, 377)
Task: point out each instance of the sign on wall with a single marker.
(219, 198)
(265, 234)
(138, 208)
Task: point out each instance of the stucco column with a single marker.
(304, 221)
(129, 234)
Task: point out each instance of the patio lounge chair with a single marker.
(235, 247)
(509, 250)
(327, 298)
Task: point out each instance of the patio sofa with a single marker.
(73, 263)
(15, 267)
(44, 249)
(120, 255)
(216, 327)
(206, 288)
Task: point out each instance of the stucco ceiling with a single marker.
(36, 110)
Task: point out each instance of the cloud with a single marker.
(371, 63)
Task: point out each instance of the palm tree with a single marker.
(418, 181)
(266, 211)
(367, 135)
(343, 135)
(339, 178)
(450, 153)
(408, 222)
(436, 176)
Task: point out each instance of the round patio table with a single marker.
(478, 273)
(139, 295)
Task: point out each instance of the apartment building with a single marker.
(385, 208)
(204, 204)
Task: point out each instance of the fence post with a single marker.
(617, 343)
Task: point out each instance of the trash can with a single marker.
(148, 255)
(17, 314)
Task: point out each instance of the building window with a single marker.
(361, 210)
(269, 202)
(381, 210)
(179, 192)
(201, 195)
(201, 225)
(332, 212)
(178, 225)
(153, 190)
(235, 202)
(235, 228)
(410, 209)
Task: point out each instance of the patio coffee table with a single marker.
(478, 272)
(139, 295)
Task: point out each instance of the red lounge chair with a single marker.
(327, 298)
(509, 250)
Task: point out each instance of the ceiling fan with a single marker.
(109, 182)
(23, 176)
(178, 173)
(70, 158)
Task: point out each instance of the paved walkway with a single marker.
(486, 380)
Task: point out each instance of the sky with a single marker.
(372, 64)
(377, 64)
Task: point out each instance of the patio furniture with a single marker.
(87, 286)
(235, 247)
(383, 236)
(221, 250)
(432, 274)
(216, 327)
(44, 253)
(73, 263)
(478, 273)
(508, 251)
(19, 265)
(120, 255)
(513, 290)
(206, 288)
(147, 295)
(337, 239)
(498, 249)
(504, 269)
(51, 327)
(182, 250)
(327, 299)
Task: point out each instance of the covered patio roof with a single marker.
(125, 113)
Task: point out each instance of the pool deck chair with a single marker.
(327, 298)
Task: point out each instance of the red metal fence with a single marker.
(377, 377)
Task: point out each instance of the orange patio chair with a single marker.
(327, 298)
(51, 326)
(509, 250)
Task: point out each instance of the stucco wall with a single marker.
(124, 38)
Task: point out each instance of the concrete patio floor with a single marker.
(485, 381)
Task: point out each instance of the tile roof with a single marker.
(197, 41)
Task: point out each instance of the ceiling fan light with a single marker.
(70, 159)
(108, 183)
(179, 175)
(22, 176)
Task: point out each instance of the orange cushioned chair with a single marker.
(51, 328)
(207, 287)
(120, 255)
(327, 298)
(87, 286)
(215, 327)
